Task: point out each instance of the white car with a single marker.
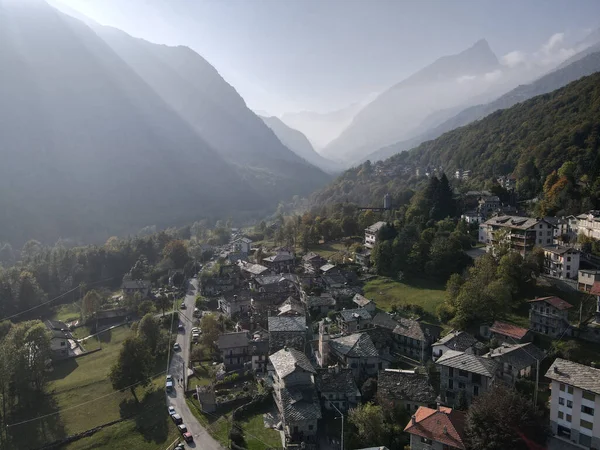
(195, 330)
(176, 347)
(171, 410)
(195, 337)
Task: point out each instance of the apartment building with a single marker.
(521, 234)
(588, 224)
(371, 234)
(575, 394)
(586, 279)
(549, 315)
(561, 262)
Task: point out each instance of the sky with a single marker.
(322, 55)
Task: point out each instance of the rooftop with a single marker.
(405, 385)
(361, 300)
(336, 379)
(136, 284)
(519, 356)
(326, 267)
(595, 288)
(232, 340)
(443, 425)
(559, 249)
(349, 315)
(470, 363)
(517, 222)
(323, 300)
(312, 256)
(287, 323)
(557, 302)
(300, 403)
(457, 340)
(375, 227)
(509, 330)
(280, 257)
(287, 360)
(574, 374)
(55, 325)
(254, 269)
(356, 345)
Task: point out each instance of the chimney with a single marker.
(413, 419)
(445, 429)
(556, 369)
(437, 406)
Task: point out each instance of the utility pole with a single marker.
(342, 416)
(537, 380)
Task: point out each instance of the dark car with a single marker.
(177, 419)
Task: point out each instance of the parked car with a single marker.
(169, 383)
(187, 436)
(176, 347)
(180, 327)
(177, 419)
(183, 306)
(171, 410)
(195, 337)
(179, 447)
(196, 330)
(182, 428)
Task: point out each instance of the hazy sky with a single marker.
(320, 55)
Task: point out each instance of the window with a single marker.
(426, 441)
(561, 415)
(310, 427)
(589, 396)
(475, 390)
(548, 241)
(569, 418)
(570, 389)
(569, 404)
(450, 371)
(568, 259)
(561, 401)
(539, 241)
(549, 233)
(463, 373)
(587, 410)
(568, 267)
(586, 424)
(584, 440)
(461, 385)
(450, 384)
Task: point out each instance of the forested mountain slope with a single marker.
(530, 140)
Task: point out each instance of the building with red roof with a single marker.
(550, 315)
(509, 333)
(437, 428)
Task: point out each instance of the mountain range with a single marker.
(102, 133)
(299, 144)
(580, 65)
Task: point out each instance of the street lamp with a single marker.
(342, 416)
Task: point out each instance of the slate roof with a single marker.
(516, 222)
(470, 363)
(136, 284)
(349, 315)
(557, 302)
(384, 320)
(375, 227)
(315, 302)
(287, 360)
(508, 329)
(574, 374)
(559, 249)
(285, 323)
(361, 300)
(327, 380)
(57, 334)
(457, 340)
(519, 356)
(356, 345)
(402, 385)
(55, 325)
(300, 404)
(264, 280)
(312, 256)
(279, 258)
(292, 306)
(445, 425)
(410, 328)
(232, 340)
(244, 239)
(255, 269)
(326, 267)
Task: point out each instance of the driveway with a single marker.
(179, 361)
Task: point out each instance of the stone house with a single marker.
(132, 287)
(287, 331)
(459, 341)
(509, 333)
(437, 429)
(351, 320)
(282, 262)
(320, 304)
(235, 349)
(405, 388)
(363, 302)
(295, 395)
(312, 262)
(514, 361)
(358, 353)
(336, 385)
(235, 303)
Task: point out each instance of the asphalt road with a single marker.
(178, 364)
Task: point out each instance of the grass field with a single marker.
(217, 426)
(67, 313)
(204, 377)
(256, 435)
(326, 250)
(86, 399)
(387, 292)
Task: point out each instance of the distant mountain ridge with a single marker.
(102, 134)
(299, 144)
(401, 108)
(580, 65)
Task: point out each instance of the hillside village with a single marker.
(303, 326)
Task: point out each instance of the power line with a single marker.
(55, 298)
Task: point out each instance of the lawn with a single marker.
(67, 313)
(86, 399)
(326, 250)
(256, 435)
(217, 426)
(387, 292)
(204, 376)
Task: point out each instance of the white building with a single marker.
(575, 393)
(588, 224)
(371, 234)
(561, 262)
(521, 234)
(241, 245)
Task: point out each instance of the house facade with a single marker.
(586, 279)
(282, 262)
(351, 320)
(371, 233)
(358, 353)
(131, 287)
(549, 315)
(241, 245)
(521, 234)
(363, 302)
(312, 261)
(588, 224)
(235, 349)
(405, 388)
(464, 372)
(59, 338)
(459, 341)
(514, 361)
(337, 388)
(561, 262)
(287, 331)
(575, 395)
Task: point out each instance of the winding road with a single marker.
(179, 363)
